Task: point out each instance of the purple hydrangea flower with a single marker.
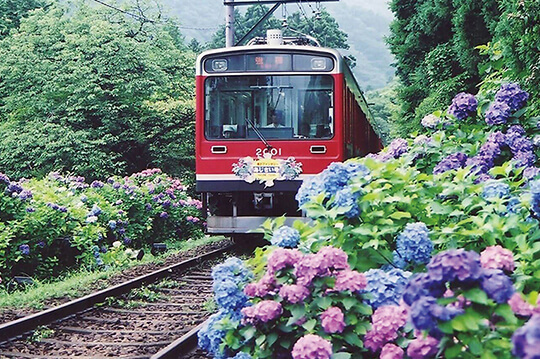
(498, 113)
(512, 95)
(333, 320)
(497, 257)
(430, 121)
(349, 280)
(423, 348)
(420, 285)
(267, 310)
(293, 293)
(283, 258)
(97, 184)
(286, 237)
(391, 351)
(4, 178)
(312, 346)
(497, 285)
(451, 162)
(397, 147)
(526, 340)
(455, 266)
(463, 104)
(163, 215)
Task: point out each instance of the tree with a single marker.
(96, 80)
(11, 12)
(434, 44)
(325, 29)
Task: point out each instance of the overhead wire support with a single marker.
(229, 15)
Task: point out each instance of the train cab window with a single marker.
(287, 107)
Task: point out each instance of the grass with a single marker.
(77, 282)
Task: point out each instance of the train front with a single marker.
(267, 118)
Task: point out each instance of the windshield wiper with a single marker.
(259, 134)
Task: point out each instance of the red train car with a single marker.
(269, 116)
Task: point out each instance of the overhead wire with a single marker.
(144, 18)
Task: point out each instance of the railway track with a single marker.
(152, 316)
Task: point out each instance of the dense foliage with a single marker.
(52, 224)
(96, 92)
(429, 245)
(435, 43)
(324, 28)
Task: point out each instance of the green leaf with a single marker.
(341, 356)
(506, 312)
(353, 339)
(453, 351)
(310, 325)
(400, 215)
(349, 302)
(271, 338)
(260, 340)
(476, 295)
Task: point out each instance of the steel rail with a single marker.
(19, 326)
(182, 345)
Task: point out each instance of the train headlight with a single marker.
(219, 65)
(318, 63)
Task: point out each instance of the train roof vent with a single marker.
(274, 37)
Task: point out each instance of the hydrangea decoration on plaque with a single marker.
(266, 169)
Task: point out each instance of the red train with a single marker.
(269, 116)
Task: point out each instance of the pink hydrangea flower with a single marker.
(391, 351)
(282, 258)
(332, 257)
(423, 348)
(268, 310)
(248, 315)
(312, 346)
(497, 257)
(309, 267)
(294, 293)
(386, 321)
(261, 288)
(520, 306)
(350, 280)
(333, 320)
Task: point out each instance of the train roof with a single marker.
(273, 49)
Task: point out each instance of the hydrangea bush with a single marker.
(444, 229)
(60, 221)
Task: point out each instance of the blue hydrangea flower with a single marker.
(310, 187)
(346, 198)
(25, 249)
(425, 314)
(286, 237)
(335, 177)
(495, 189)
(385, 287)
(497, 285)
(4, 178)
(229, 296)
(413, 245)
(232, 269)
(112, 224)
(210, 335)
(512, 95)
(463, 104)
(95, 211)
(242, 355)
(534, 188)
(498, 113)
(451, 162)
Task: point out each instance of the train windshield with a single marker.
(275, 107)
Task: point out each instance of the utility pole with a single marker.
(229, 24)
(229, 13)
